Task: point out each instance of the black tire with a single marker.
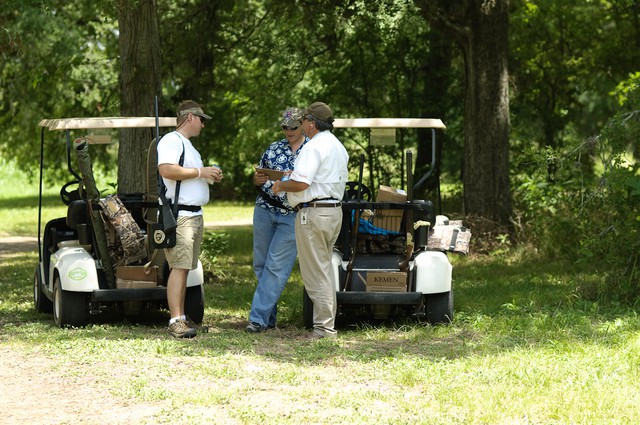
(194, 303)
(307, 310)
(69, 308)
(439, 307)
(40, 300)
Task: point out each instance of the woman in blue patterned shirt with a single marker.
(274, 243)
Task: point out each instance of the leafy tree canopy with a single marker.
(247, 60)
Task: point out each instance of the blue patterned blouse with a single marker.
(278, 156)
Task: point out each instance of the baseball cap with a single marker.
(195, 111)
(320, 111)
(291, 117)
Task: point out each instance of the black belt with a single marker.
(192, 208)
(317, 205)
(271, 201)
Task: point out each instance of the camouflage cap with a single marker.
(291, 117)
(195, 111)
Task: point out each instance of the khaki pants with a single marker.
(189, 236)
(315, 241)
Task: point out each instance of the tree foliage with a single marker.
(245, 61)
(55, 63)
(363, 58)
(566, 62)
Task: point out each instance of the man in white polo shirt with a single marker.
(315, 188)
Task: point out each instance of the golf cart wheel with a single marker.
(439, 307)
(69, 308)
(194, 303)
(307, 310)
(40, 300)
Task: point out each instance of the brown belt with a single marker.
(317, 205)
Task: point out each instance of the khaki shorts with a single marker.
(188, 241)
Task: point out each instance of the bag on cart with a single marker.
(126, 244)
(449, 235)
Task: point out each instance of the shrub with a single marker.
(213, 245)
(544, 199)
(590, 218)
(610, 213)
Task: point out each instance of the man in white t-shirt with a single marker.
(315, 189)
(193, 194)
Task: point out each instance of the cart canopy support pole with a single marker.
(408, 216)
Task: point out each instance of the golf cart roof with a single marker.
(106, 122)
(138, 122)
(388, 123)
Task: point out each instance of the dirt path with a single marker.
(10, 244)
(36, 389)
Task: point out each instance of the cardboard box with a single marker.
(389, 219)
(136, 277)
(391, 194)
(386, 281)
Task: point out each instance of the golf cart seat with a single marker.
(55, 231)
(77, 213)
(78, 220)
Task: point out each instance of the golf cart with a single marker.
(98, 256)
(391, 255)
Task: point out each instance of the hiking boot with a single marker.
(197, 327)
(317, 335)
(180, 329)
(255, 328)
(314, 335)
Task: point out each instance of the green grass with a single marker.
(525, 348)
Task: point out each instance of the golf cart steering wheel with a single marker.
(352, 191)
(66, 195)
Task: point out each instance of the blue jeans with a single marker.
(274, 254)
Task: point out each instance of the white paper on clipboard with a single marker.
(273, 174)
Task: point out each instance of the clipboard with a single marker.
(273, 174)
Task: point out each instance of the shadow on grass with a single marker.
(21, 202)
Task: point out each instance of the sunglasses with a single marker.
(286, 128)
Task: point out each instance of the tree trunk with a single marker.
(481, 27)
(140, 82)
(486, 152)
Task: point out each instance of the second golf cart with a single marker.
(391, 254)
